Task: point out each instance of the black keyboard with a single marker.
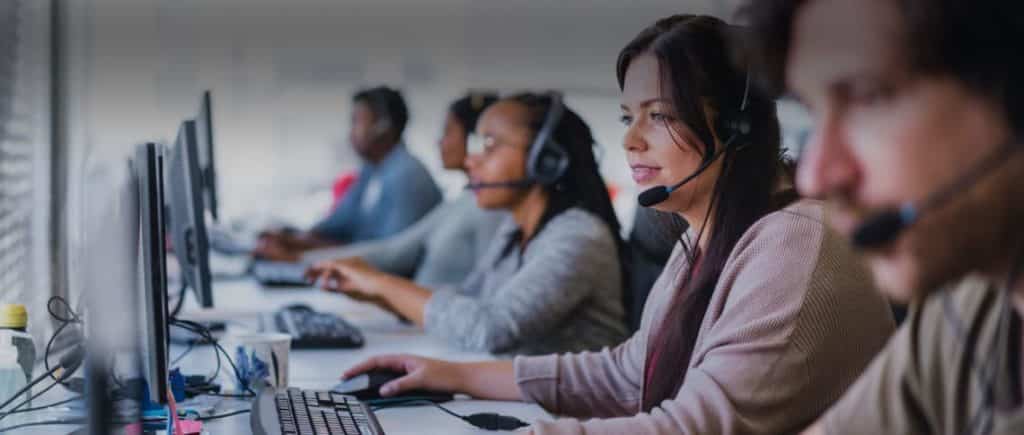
(276, 274)
(315, 330)
(306, 412)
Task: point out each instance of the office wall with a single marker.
(282, 74)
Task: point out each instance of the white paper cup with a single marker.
(261, 360)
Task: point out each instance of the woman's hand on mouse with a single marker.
(493, 380)
(420, 373)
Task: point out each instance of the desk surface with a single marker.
(241, 302)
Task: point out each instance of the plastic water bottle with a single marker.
(14, 341)
(12, 377)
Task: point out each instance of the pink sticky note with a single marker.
(133, 429)
(190, 427)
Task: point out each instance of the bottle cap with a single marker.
(13, 316)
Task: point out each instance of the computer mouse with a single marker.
(366, 387)
(297, 307)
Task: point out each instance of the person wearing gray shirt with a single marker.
(442, 248)
(563, 292)
(552, 279)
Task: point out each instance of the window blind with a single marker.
(24, 158)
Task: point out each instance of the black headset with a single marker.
(736, 125)
(548, 160)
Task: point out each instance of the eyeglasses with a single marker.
(483, 145)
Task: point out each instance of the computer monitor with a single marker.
(187, 213)
(148, 167)
(105, 243)
(207, 161)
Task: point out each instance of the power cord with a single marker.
(225, 415)
(15, 410)
(45, 407)
(482, 420)
(67, 366)
(61, 311)
(69, 362)
(188, 350)
(44, 423)
(229, 396)
(180, 303)
(205, 333)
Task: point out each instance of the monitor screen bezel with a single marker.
(149, 166)
(188, 220)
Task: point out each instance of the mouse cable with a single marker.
(482, 420)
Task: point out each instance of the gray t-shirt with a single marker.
(563, 293)
(932, 378)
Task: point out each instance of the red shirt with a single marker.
(341, 187)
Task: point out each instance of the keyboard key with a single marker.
(324, 397)
(310, 412)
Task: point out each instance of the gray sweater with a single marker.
(439, 250)
(562, 293)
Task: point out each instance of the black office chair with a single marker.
(651, 241)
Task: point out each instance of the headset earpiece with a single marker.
(548, 160)
(735, 127)
(551, 163)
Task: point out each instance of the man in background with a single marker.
(392, 191)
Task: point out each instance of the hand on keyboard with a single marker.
(354, 278)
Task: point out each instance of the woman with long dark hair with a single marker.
(762, 317)
(552, 278)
